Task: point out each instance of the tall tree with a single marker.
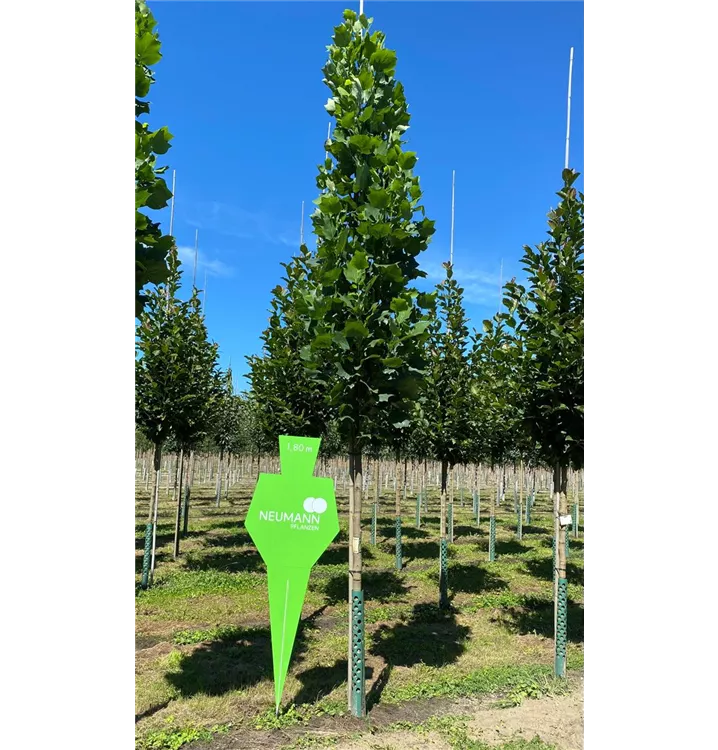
(151, 191)
(447, 403)
(288, 400)
(202, 391)
(366, 322)
(163, 385)
(549, 321)
(225, 424)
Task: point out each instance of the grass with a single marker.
(204, 658)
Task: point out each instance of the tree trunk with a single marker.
(150, 530)
(357, 685)
(443, 552)
(175, 553)
(519, 520)
(188, 490)
(218, 492)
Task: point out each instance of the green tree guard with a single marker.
(451, 523)
(147, 556)
(358, 685)
(418, 511)
(575, 520)
(398, 543)
(519, 526)
(473, 503)
(492, 538)
(444, 574)
(478, 509)
(561, 628)
(372, 535)
(529, 502)
(185, 510)
(461, 495)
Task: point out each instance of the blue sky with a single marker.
(240, 87)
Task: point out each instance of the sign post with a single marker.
(292, 519)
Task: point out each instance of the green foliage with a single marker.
(288, 401)
(449, 430)
(548, 318)
(176, 383)
(151, 191)
(173, 738)
(365, 326)
(496, 393)
(227, 417)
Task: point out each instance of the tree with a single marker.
(548, 318)
(151, 191)
(366, 322)
(202, 391)
(226, 424)
(447, 402)
(159, 386)
(288, 400)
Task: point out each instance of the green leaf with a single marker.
(359, 260)
(161, 141)
(379, 198)
(323, 341)
(362, 143)
(330, 205)
(407, 159)
(398, 304)
(384, 60)
(341, 340)
(392, 362)
(355, 329)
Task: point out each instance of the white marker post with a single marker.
(196, 252)
(451, 245)
(568, 109)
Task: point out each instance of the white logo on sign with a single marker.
(315, 505)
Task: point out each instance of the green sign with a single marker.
(292, 519)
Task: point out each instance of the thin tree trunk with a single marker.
(443, 555)
(187, 492)
(153, 518)
(175, 553)
(218, 493)
(556, 535)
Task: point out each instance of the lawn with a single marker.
(203, 651)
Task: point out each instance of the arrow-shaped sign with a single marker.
(292, 519)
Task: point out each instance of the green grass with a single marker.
(208, 663)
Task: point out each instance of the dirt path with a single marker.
(556, 720)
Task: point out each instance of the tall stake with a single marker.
(196, 252)
(568, 109)
(451, 244)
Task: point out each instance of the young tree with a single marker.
(549, 315)
(288, 400)
(447, 402)
(201, 391)
(226, 424)
(151, 191)
(161, 383)
(366, 324)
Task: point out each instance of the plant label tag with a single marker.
(565, 520)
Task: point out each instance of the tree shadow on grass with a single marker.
(510, 548)
(464, 530)
(236, 661)
(338, 554)
(248, 561)
(431, 636)
(317, 682)
(388, 530)
(544, 569)
(536, 617)
(378, 585)
(239, 539)
(469, 579)
(420, 551)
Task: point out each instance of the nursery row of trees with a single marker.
(354, 353)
